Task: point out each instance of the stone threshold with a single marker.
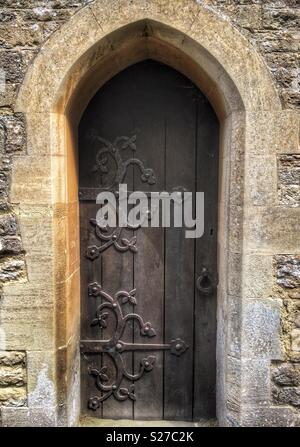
(94, 422)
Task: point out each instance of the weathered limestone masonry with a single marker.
(24, 26)
(28, 381)
(13, 379)
(286, 374)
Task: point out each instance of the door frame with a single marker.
(101, 42)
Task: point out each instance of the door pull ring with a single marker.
(205, 283)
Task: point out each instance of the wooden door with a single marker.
(148, 295)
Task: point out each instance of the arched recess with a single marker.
(96, 43)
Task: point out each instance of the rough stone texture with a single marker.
(24, 26)
(14, 128)
(13, 379)
(295, 339)
(288, 271)
(289, 180)
(8, 225)
(11, 269)
(282, 416)
(29, 417)
(297, 320)
(286, 374)
(287, 396)
(273, 27)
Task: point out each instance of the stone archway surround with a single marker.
(97, 42)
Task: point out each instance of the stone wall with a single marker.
(286, 374)
(273, 28)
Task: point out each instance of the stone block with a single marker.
(297, 320)
(285, 72)
(15, 132)
(28, 35)
(248, 16)
(41, 379)
(271, 230)
(291, 97)
(281, 18)
(261, 180)
(13, 396)
(286, 374)
(12, 376)
(288, 273)
(295, 339)
(15, 64)
(37, 188)
(285, 42)
(30, 293)
(46, 13)
(12, 269)
(33, 218)
(261, 329)
(255, 388)
(258, 277)
(8, 225)
(287, 396)
(8, 96)
(282, 416)
(271, 132)
(289, 180)
(289, 169)
(28, 328)
(29, 417)
(12, 358)
(112, 14)
(10, 245)
(46, 134)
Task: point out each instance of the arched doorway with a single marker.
(101, 40)
(148, 312)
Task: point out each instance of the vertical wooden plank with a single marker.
(149, 282)
(179, 252)
(90, 272)
(118, 266)
(110, 118)
(149, 260)
(206, 255)
(118, 275)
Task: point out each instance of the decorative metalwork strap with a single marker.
(110, 236)
(107, 150)
(114, 347)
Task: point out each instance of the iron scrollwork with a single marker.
(107, 150)
(115, 346)
(110, 236)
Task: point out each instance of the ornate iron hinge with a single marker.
(115, 346)
(107, 150)
(110, 236)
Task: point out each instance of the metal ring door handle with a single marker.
(205, 283)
